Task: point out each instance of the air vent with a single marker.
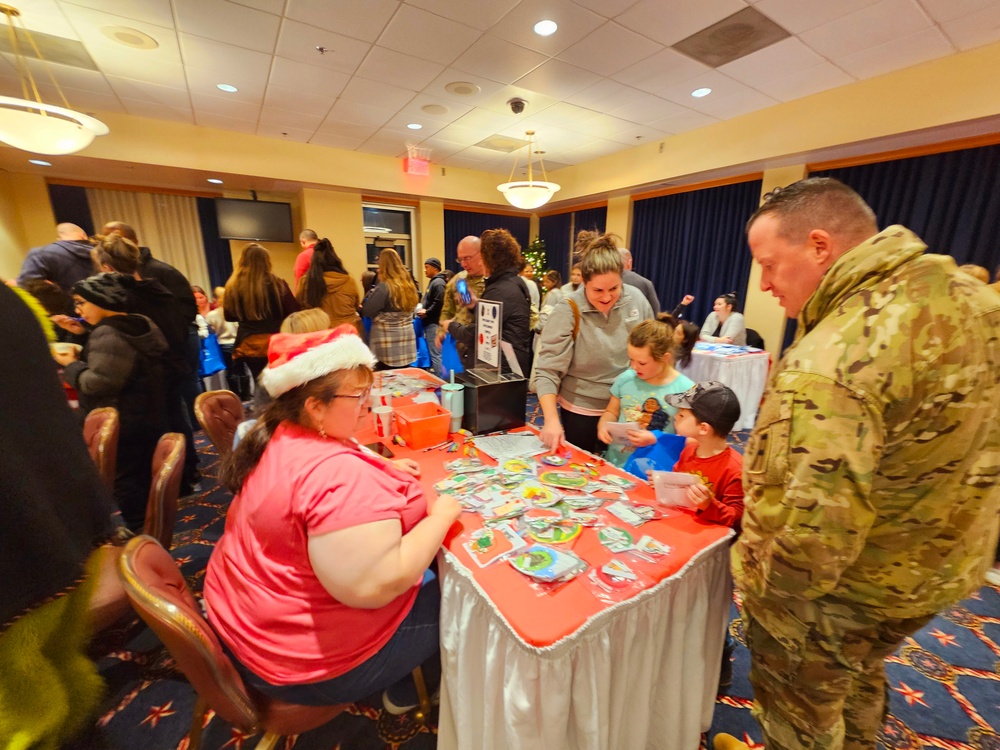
(502, 143)
(129, 37)
(462, 88)
(54, 49)
(731, 38)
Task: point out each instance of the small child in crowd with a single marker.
(642, 390)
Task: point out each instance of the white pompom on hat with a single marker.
(294, 359)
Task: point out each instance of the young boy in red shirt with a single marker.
(707, 413)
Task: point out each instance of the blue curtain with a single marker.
(70, 204)
(951, 200)
(693, 243)
(554, 230)
(459, 224)
(217, 256)
(591, 220)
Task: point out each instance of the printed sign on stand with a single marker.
(488, 317)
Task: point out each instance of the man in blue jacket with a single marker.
(63, 262)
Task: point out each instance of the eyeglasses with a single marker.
(357, 396)
(467, 258)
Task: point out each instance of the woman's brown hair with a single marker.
(252, 291)
(115, 252)
(501, 252)
(656, 335)
(392, 273)
(600, 256)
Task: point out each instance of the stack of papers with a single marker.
(511, 444)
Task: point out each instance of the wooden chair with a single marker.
(160, 595)
(161, 508)
(218, 413)
(100, 432)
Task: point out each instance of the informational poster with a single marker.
(488, 317)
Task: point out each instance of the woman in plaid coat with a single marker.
(390, 306)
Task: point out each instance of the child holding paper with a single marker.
(642, 391)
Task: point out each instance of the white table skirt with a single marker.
(641, 674)
(746, 375)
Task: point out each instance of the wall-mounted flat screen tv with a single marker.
(264, 221)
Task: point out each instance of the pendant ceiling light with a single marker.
(528, 193)
(29, 123)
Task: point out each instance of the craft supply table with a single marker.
(743, 371)
(527, 670)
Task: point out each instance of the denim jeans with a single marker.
(413, 644)
(430, 336)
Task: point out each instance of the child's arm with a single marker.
(610, 415)
(725, 507)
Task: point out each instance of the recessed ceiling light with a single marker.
(462, 88)
(414, 126)
(546, 28)
(698, 93)
(215, 180)
(40, 163)
(227, 87)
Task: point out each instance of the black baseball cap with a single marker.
(711, 402)
(433, 262)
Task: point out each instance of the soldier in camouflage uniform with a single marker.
(871, 477)
(474, 272)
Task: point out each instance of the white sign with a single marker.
(488, 317)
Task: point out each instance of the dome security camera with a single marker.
(517, 105)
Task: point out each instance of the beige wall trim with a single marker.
(959, 144)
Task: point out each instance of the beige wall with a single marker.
(429, 236)
(12, 242)
(26, 219)
(338, 217)
(620, 218)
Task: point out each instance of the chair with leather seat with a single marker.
(161, 507)
(219, 413)
(100, 432)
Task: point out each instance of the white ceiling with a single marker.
(605, 81)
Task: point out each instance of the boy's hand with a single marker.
(641, 438)
(700, 496)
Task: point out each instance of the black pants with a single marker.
(177, 392)
(134, 473)
(581, 431)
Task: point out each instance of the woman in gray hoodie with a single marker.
(585, 347)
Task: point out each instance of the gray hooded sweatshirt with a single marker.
(582, 370)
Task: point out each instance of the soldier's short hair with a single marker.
(308, 234)
(818, 203)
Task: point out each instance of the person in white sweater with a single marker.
(723, 326)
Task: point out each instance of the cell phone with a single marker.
(463, 291)
(381, 448)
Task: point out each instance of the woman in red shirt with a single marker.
(315, 587)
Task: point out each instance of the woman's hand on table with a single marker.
(445, 506)
(552, 435)
(641, 438)
(699, 495)
(68, 324)
(725, 339)
(407, 466)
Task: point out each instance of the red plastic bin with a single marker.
(422, 425)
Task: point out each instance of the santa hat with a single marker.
(294, 359)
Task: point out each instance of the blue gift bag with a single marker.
(423, 359)
(451, 360)
(210, 360)
(660, 456)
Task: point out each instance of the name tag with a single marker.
(633, 314)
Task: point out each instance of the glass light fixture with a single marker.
(29, 123)
(528, 193)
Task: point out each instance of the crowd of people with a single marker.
(866, 500)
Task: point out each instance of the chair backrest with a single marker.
(218, 413)
(161, 508)
(160, 595)
(100, 432)
(754, 339)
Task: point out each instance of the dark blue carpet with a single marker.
(945, 680)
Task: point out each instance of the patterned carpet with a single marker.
(945, 681)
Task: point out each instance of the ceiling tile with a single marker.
(150, 92)
(127, 64)
(158, 111)
(416, 32)
(899, 53)
(69, 77)
(395, 68)
(222, 122)
(536, 101)
(483, 120)
(46, 17)
(336, 141)
(498, 59)
(88, 24)
(637, 135)
(376, 94)
(414, 109)
(364, 20)
(298, 76)
(225, 22)
(771, 62)
(148, 11)
(557, 79)
(606, 95)
(870, 27)
(976, 29)
(440, 148)
(359, 114)
(217, 105)
(298, 101)
(604, 126)
(463, 134)
(480, 14)
(84, 101)
(951, 10)
(591, 51)
(805, 81)
(660, 71)
(607, 8)
(269, 130)
(209, 63)
(385, 143)
(398, 123)
(593, 150)
(277, 7)
(734, 104)
(646, 110)
(564, 115)
(436, 88)
(552, 138)
(669, 21)
(298, 41)
(574, 22)
(797, 16)
(289, 118)
(721, 85)
(689, 120)
(361, 133)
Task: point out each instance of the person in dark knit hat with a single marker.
(430, 310)
(120, 366)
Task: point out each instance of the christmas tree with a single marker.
(535, 255)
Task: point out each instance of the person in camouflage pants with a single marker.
(871, 476)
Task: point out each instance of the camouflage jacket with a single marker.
(871, 476)
(451, 310)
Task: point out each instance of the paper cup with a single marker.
(383, 420)
(381, 397)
